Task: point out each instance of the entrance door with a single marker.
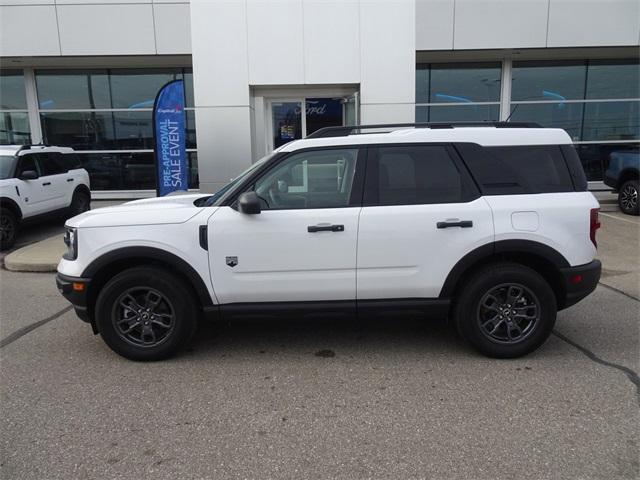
(295, 118)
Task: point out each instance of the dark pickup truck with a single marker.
(622, 176)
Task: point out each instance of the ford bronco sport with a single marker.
(490, 226)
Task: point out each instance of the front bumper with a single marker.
(579, 282)
(75, 290)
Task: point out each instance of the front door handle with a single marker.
(325, 228)
(458, 223)
(46, 184)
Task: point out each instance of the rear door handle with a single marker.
(325, 228)
(460, 223)
(69, 179)
(46, 184)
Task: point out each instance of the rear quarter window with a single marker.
(518, 169)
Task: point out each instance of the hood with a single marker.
(148, 211)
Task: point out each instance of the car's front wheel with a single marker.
(8, 228)
(505, 310)
(145, 313)
(628, 197)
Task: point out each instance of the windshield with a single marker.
(213, 199)
(7, 162)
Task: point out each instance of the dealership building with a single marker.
(259, 73)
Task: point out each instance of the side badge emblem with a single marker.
(232, 261)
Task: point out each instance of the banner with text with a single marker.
(169, 132)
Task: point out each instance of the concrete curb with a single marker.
(41, 256)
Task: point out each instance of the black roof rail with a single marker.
(345, 131)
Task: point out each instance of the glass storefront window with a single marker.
(595, 157)
(12, 93)
(458, 83)
(548, 81)
(611, 121)
(138, 88)
(613, 80)
(457, 113)
(79, 130)
(73, 89)
(567, 116)
(14, 128)
(126, 171)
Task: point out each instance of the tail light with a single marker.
(594, 225)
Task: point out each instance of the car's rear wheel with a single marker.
(505, 310)
(145, 313)
(628, 197)
(80, 203)
(8, 228)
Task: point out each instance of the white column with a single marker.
(32, 105)
(505, 89)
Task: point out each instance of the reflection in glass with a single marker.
(620, 79)
(548, 81)
(67, 89)
(12, 93)
(133, 130)
(323, 112)
(122, 171)
(190, 118)
(79, 130)
(595, 157)
(611, 121)
(287, 122)
(14, 128)
(464, 83)
(457, 113)
(138, 88)
(567, 116)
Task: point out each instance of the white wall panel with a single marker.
(591, 23)
(331, 41)
(387, 113)
(106, 29)
(173, 28)
(98, 2)
(387, 39)
(434, 24)
(500, 24)
(219, 49)
(28, 30)
(275, 42)
(225, 150)
(27, 2)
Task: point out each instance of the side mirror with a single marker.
(29, 175)
(249, 203)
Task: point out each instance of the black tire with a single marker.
(628, 197)
(80, 203)
(116, 313)
(8, 228)
(501, 281)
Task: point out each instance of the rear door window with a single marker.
(414, 175)
(52, 163)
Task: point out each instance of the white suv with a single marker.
(490, 226)
(38, 181)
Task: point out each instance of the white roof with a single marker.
(13, 149)
(488, 136)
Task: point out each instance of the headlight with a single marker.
(71, 241)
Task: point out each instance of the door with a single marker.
(421, 214)
(34, 200)
(351, 110)
(54, 179)
(302, 246)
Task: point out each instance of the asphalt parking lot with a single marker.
(325, 399)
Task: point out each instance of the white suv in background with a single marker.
(491, 226)
(38, 181)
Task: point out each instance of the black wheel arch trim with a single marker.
(490, 250)
(153, 254)
(12, 205)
